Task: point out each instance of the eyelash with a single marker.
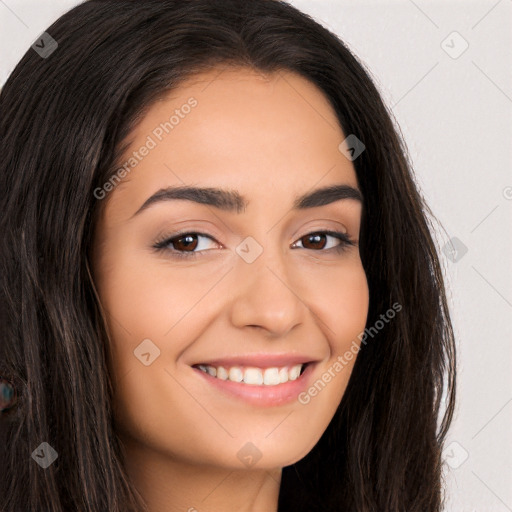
(163, 244)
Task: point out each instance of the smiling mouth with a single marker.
(254, 376)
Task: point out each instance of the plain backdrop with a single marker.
(444, 69)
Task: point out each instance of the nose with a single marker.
(265, 296)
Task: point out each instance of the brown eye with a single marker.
(314, 241)
(185, 242)
(318, 241)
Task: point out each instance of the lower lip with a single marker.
(262, 396)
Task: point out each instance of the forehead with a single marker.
(240, 129)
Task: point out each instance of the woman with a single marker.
(298, 360)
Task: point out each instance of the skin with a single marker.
(271, 138)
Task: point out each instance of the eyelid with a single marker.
(165, 240)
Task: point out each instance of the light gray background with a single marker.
(456, 118)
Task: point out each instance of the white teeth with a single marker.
(254, 376)
(235, 374)
(271, 377)
(208, 369)
(222, 373)
(294, 373)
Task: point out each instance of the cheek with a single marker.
(144, 301)
(340, 300)
(145, 298)
(149, 298)
(348, 309)
(339, 297)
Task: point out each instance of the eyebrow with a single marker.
(233, 201)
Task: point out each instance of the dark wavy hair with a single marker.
(64, 120)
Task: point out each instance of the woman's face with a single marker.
(254, 289)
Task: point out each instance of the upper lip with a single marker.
(259, 360)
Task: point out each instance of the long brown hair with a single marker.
(64, 119)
